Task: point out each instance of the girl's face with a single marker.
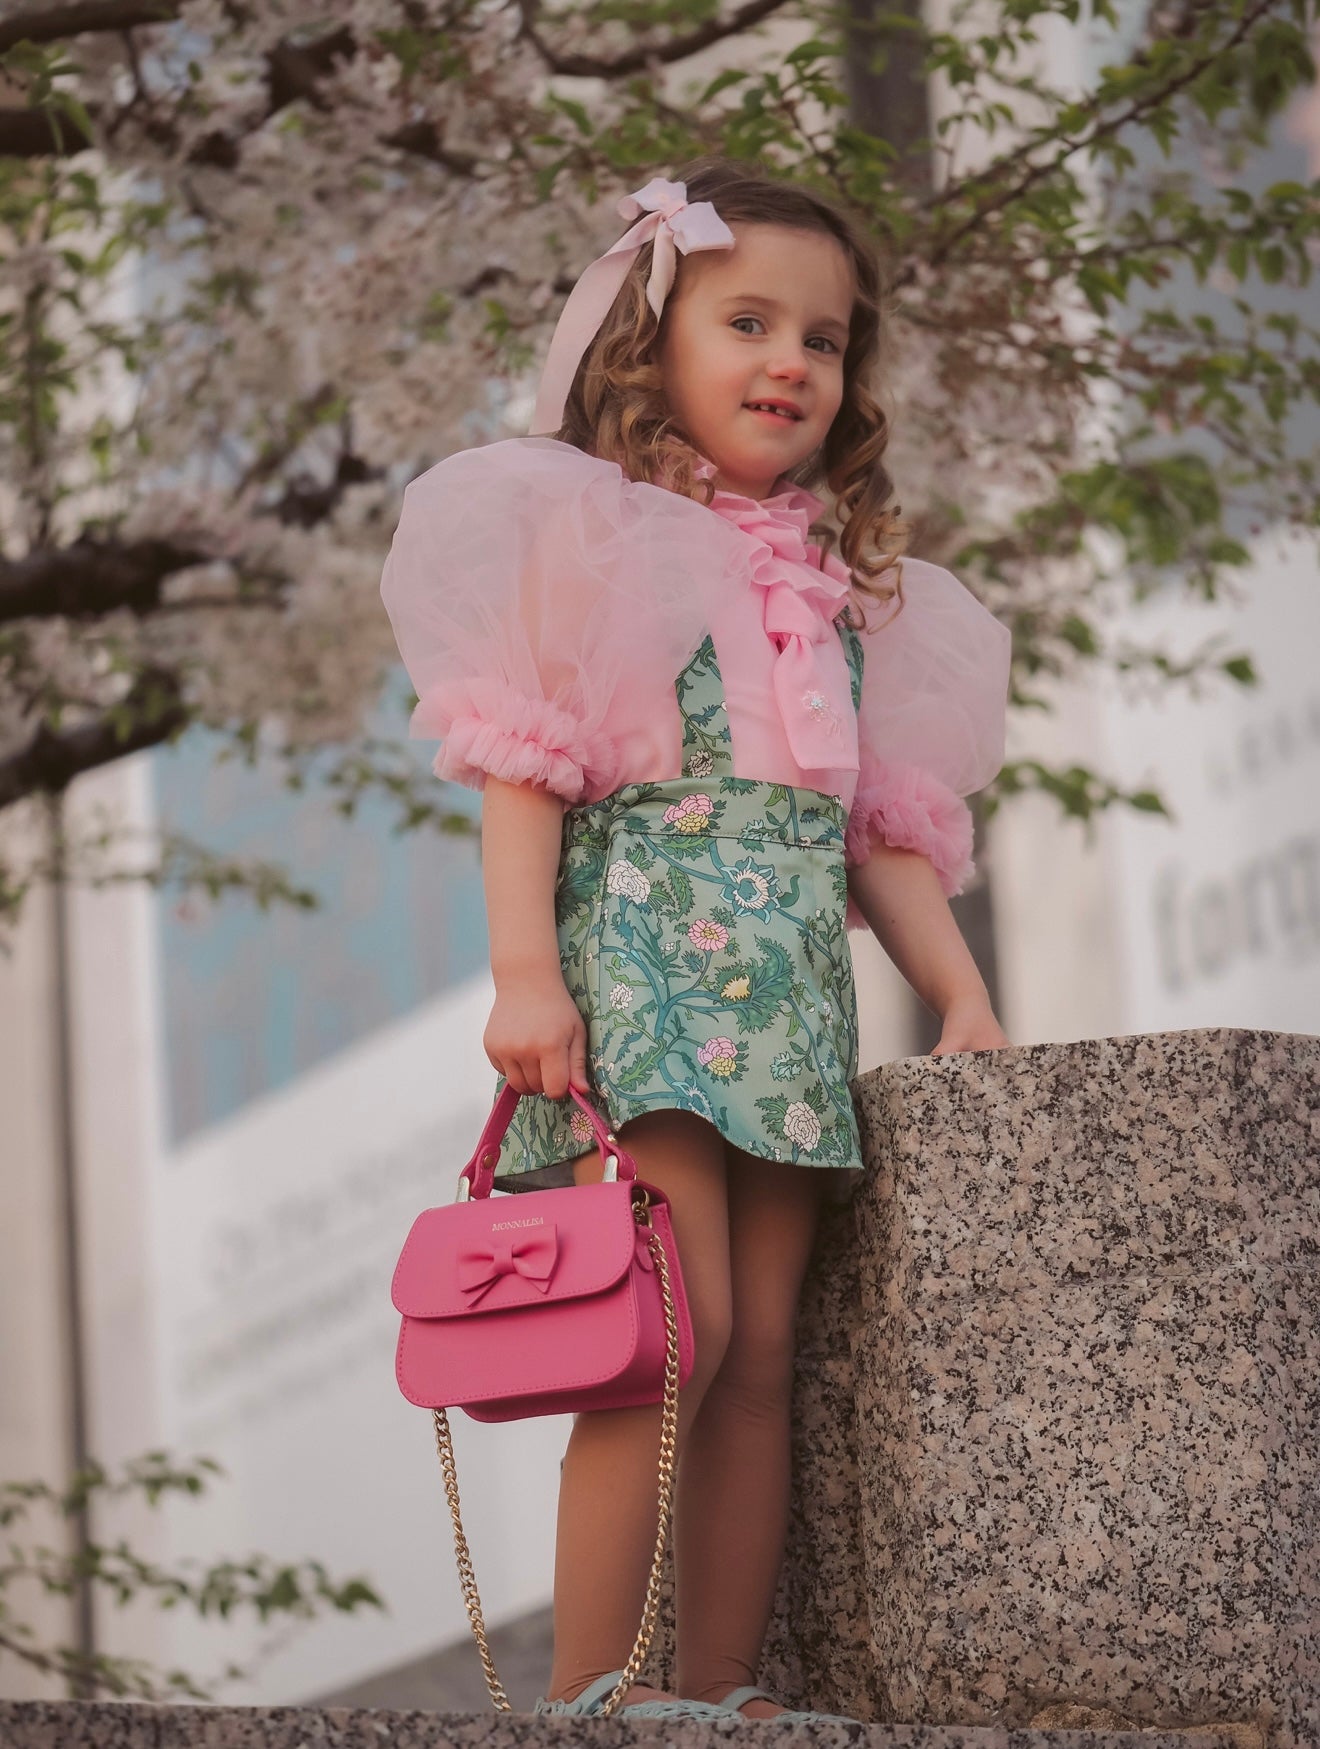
(765, 321)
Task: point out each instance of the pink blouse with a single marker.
(544, 605)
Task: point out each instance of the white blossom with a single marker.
(626, 880)
(802, 1126)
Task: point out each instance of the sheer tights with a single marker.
(744, 1229)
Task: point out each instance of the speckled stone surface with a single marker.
(1058, 1422)
(43, 1725)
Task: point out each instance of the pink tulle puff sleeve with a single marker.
(543, 604)
(930, 724)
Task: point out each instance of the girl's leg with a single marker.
(732, 1515)
(607, 1493)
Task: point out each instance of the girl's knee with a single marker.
(712, 1324)
(757, 1368)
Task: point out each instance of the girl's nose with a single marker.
(791, 364)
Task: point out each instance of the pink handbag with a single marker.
(547, 1302)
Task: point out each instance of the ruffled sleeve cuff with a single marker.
(911, 810)
(489, 728)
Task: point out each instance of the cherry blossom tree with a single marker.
(266, 263)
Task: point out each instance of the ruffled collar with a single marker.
(800, 598)
(782, 519)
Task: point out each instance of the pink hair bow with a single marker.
(531, 1255)
(674, 224)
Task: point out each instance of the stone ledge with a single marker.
(128, 1725)
(1060, 1364)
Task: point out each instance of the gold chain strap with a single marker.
(668, 1452)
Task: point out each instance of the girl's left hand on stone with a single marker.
(970, 1025)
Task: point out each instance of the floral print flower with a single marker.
(691, 814)
(580, 1126)
(737, 990)
(701, 764)
(621, 996)
(719, 1056)
(801, 1125)
(751, 885)
(709, 937)
(627, 881)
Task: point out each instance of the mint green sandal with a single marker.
(592, 1697)
(738, 1698)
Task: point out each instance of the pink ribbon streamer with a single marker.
(674, 225)
(809, 669)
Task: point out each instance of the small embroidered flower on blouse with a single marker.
(737, 990)
(801, 1125)
(621, 996)
(821, 708)
(709, 937)
(625, 880)
(701, 764)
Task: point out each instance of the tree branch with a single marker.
(91, 578)
(1134, 112)
(294, 72)
(45, 24)
(152, 711)
(31, 133)
(678, 48)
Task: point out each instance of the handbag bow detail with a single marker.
(532, 1255)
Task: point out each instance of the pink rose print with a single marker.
(691, 814)
(719, 1056)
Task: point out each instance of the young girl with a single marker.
(707, 745)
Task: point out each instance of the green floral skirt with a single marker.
(701, 934)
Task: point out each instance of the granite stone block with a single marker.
(1085, 1365)
(125, 1725)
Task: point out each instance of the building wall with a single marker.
(35, 1383)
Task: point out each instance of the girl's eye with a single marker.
(825, 337)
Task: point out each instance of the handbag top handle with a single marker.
(478, 1176)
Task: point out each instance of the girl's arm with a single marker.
(899, 894)
(535, 1036)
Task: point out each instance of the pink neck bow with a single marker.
(532, 1255)
(800, 602)
(673, 224)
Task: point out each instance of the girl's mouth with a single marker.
(781, 415)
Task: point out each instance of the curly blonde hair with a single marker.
(617, 410)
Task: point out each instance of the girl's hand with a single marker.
(535, 1037)
(970, 1025)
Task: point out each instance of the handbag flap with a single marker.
(497, 1252)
